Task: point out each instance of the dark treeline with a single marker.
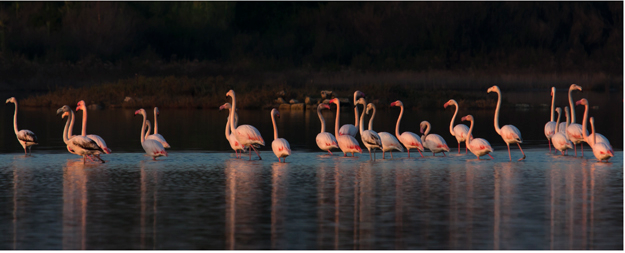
(363, 36)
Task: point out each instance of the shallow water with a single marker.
(200, 200)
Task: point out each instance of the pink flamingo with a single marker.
(152, 147)
(459, 131)
(78, 145)
(601, 150)
(232, 139)
(156, 136)
(433, 142)
(389, 142)
(347, 143)
(509, 133)
(594, 137)
(247, 135)
(26, 137)
(550, 127)
(559, 140)
(478, 146)
(280, 146)
(325, 140)
(350, 129)
(370, 138)
(409, 139)
(574, 130)
(96, 138)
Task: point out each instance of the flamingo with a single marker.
(26, 137)
(509, 133)
(350, 129)
(478, 146)
(601, 150)
(370, 138)
(247, 135)
(347, 143)
(550, 127)
(96, 138)
(574, 130)
(559, 140)
(409, 139)
(325, 140)
(459, 131)
(280, 146)
(78, 145)
(389, 142)
(590, 139)
(433, 142)
(152, 147)
(156, 136)
(232, 139)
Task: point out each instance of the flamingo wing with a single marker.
(389, 142)
(480, 146)
(602, 151)
(101, 143)
(159, 138)
(562, 127)
(411, 140)
(371, 138)
(234, 143)
(326, 141)
(560, 142)
(82, 142)
(511, 134)
(281, 147)
(348, 144)
(348, 129)
(460, 132)
(153, 148)
(436, 143)
(574, 133)
(248, 135)
(550, 129)
(27, 136)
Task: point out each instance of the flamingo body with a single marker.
(101, 143)
(281, 148)
(348, 129)
(550, 129)
(562, 127)
(249, 135)
(348, 144)
(25, 137)
(389, 142)
(159, 138)
(435, 143)
(411, 140)
(602, 151)
(153, 148)
(326, 141)
(479, 147)
(460, 132)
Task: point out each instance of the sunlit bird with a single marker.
(433, 142)
(325, 140)
(156, 136)
(247, 135)
(152, 147)
(349, 129)
(509, 133)
(280, 146)
(477, 146)
(347, 143)
(101, 143)
(559, 140)
(389, 142)
(550, 126)
(459, 131)
(26, 137)
(409, 139)
(232, 139)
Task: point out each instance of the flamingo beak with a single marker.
(463, 118)
(221, 107)
(579, 102)
(394, 103)
(445, 105)
(137, 112)
(421, 130)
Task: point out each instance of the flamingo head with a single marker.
(467, 118)
(324, 106)
(423, 125)
(553, 91)
(225, 106)
(575, 87)
(397, 103)
(140, 111)
(80, 105)
(358, 94)
(370, 106)
(495, 88)
(592, 120)
(65, 108)
(65, 114)
(450, 102)
(335, 100)
(156, 111)
(275, 112)
(230, 93)
(361, 101)
(11, 100)
(582, 101)
(558, 110)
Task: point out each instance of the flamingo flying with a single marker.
(78, 145)
(409, 139)
(280, 146)
(459, 131)
(550, 127)
(601, 150)
(594, 137)
(509, 133)
(26, 137)
(325, 140)
(559, 140)
(152, 147)
(389, 142)
(478, 146)
(350, 129)
(96, 138)
(574, 130)
(347, 143)
(232, 139)
(433, 142)
(247, 135)
(156, 136)
(370, 138)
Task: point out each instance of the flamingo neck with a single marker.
(553, 98)
(336, 122)
(234, 108)
(572, 106)
(142, 129)
(65, 135)
(451, 124)
(275, 129)
(427, 129)
(356, 112)
(469, 137)
(361, 126)
(371, 119)
(566, 114)
(71, 125)
(147, 133)
(584, 125)
(497, 112)
(323, 121)
(228, 128)
(15, 119)
(401, 114)
(84, 122)
(558, 123)
(155, 122)
(594, 136)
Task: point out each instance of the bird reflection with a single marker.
(74, 205)
(364, 197)
(279, 173)
(149, 186)
(242, 202)
(503, 177)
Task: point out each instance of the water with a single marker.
(193, 200)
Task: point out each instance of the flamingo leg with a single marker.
(374, 154)
(30, 150)
(84, 160)
(466, 150)
(510, 156)
(370, 157)
(575, 145)
(549, 140)
(383, 154)
(444, 154)
(329, 152)
(250, 152)
(458, 147)
(521, 151)
(25, 152)
(491, 157)
(259, 158)
(344, 154)
(582, 145)
(408, 153)
(391, 154)
(420, 153)
(100, 159)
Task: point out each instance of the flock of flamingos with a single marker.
(244, 138)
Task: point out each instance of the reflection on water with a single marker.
(214, 201)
